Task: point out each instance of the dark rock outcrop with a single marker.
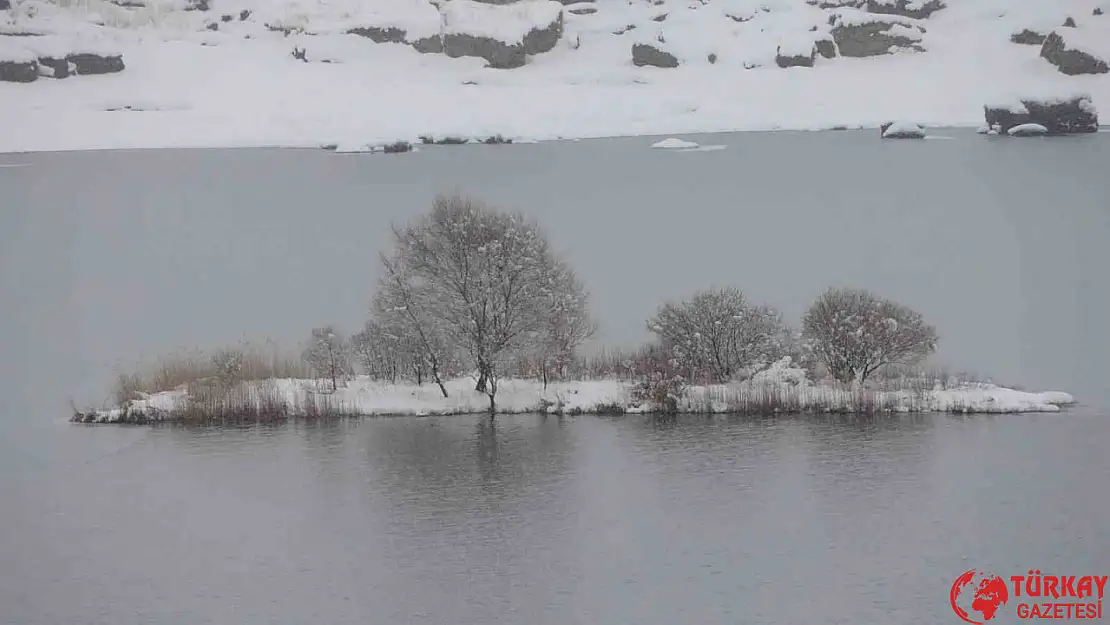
(1070, 60)
(874, 37)
(837, 4)
(644, 54)
(5, 5)
(428, 45)
(389, 34)
(916, 9)
(497, 54)
(19, 71)
(826, 47)
(1069, 22)
(1028, 37)
(1064, 116)
(582, 11)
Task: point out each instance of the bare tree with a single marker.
(327, 354)
(853, 333)
(717, 334)
(485, 279)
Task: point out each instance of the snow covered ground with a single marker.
(186, 85)
(782, 386)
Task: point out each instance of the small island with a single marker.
(475, 313)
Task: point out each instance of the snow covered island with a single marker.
(782, 389)
(93, 74)
(474, 312)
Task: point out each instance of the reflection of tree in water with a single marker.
(487, 449)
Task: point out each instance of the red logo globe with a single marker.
(981, 593)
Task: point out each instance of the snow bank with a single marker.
(14, 50)
(782, 388)
(236, 91)
(507, 23)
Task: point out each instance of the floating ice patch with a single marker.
(353, 148)
(704, 148)
(673, 144)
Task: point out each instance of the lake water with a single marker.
(112, 256)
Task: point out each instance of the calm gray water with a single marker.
(109, 257)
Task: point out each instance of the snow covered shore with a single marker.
(376, 71)
(781, 389)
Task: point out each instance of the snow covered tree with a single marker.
(485, 281)
(403, 305)
(717, 334)
(853, 333)
(380, 351)
(327, 354)
(553, 346)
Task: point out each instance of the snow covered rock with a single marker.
(796, 52)
(859, 34)
(902, 130)
(89, 63)
(1027, 130)
(1028, 37)
(17, 63)
(61, 56)
(19, 71)
(1075, 52)
(504, 35)
(651, 55)
(1059, 116)
(916, 9)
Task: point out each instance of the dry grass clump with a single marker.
(241, 363)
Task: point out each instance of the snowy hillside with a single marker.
(158, 73)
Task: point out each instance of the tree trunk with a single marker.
(419, 376)
(482, 377)
(492, 392)
(439, 382)
(543, 370)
